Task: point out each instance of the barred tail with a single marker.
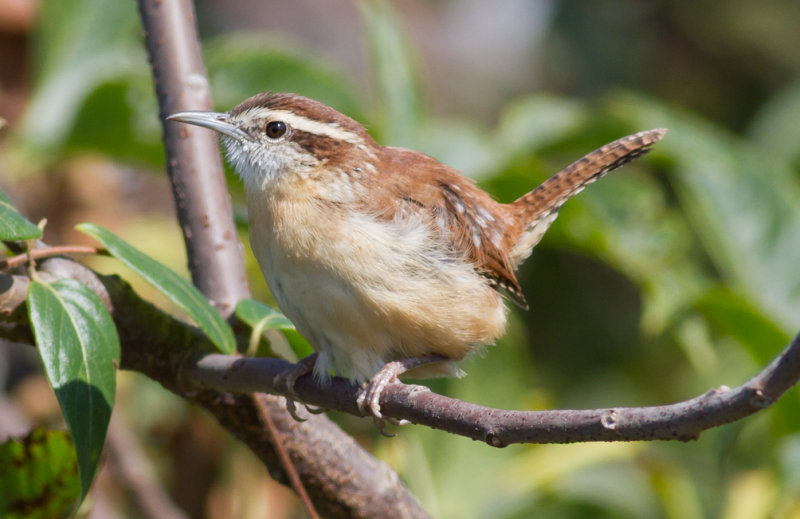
(538, 208)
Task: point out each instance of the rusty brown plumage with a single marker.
(384, 258)
(478, 227)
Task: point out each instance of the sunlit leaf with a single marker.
(459, 144)
(178, 290)
(259, 315)
(119, 118)
(14, 226)
(38, 476)
(78, 343)
(678, 491)
(541, 468)
(254, 312)
(625, 220)
(751, 494)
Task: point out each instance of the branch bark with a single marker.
(217, 267)
(167, 347)
(129, 462)
(342, 479)
(194, 165)
(681, 421)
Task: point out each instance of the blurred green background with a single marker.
(677, 274)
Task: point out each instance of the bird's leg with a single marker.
(287, 379)
(369, 397)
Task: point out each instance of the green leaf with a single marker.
(243, 65)
(258, 315)
(79, 346)
(178, 290)
(395, 73)
(744, 204)
(39, 476)
(254, 312)
(734, 315)
(80, 45)
(14, 226)
(531, 123)
(459, 144)
(119, 117)
(626, 221)
(774, 127)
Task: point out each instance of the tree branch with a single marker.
(46, 252)
(681, 421)
(166, 347)
(342, 479)
(217, 267)
(194, 166)
(130, 464)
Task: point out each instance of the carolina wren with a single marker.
(385, 259)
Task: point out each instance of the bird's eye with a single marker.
(276, 129)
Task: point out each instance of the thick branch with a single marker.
(193, 162)
(337, 477)
(682, 421)
(212, 373)
(342, 479)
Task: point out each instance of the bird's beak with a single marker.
(212, 120)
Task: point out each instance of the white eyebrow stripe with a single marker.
(305, 124)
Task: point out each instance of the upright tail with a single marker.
(539, 208)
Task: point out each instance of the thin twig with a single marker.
(294, 479)
(129, 462)
(46, 252)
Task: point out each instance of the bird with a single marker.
(389, 262)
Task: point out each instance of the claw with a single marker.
(369, 397)
(381, 425)
(291, 408)
(288, 378)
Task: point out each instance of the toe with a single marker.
(291, 408)
(375, 403)
(381, 425)
(314, 409)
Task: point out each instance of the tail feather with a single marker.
(539, 208)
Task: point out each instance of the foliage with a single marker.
(178, 290)
(39, 476)
(261, 318)
(674, 275)
(13, 226)
(78, 343)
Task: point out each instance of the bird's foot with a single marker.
(287, 379)
(369, 397)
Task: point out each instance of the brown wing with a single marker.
(481, 231)
(473, 224)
